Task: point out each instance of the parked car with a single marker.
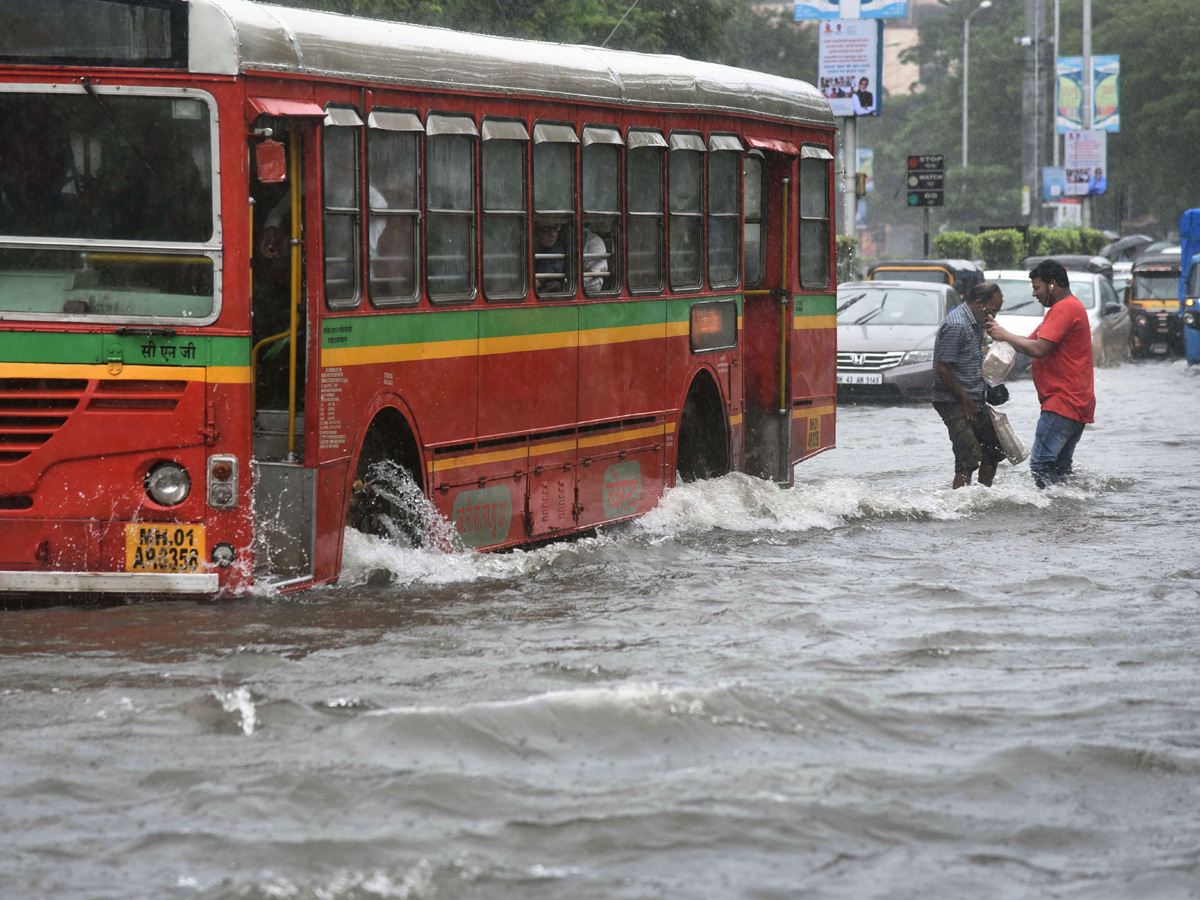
(961, 274)
(1097, 265)
(886, 331)
(1106, 313)
(1154, 305)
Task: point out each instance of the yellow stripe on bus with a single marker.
(600, 440)
(808, 322)
(559, 340)
(809, 412)
(101, 372)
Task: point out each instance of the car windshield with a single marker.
(1193, 288)
(106, 204)
(1156, 285)
(1018, 298)
(1082, 289)
(888, 306)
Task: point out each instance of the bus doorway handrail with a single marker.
(294, 324)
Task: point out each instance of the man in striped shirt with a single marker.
(959, 391)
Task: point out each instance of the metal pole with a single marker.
(1088, 87)
(1053, 129)
(966, 71)
(849, 172)
(927, 232)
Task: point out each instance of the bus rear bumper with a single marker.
(108, 583)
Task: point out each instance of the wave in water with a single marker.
(734, 503)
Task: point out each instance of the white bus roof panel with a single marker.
(228, 37)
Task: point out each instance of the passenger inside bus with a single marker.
(596, 254)
(550, 257)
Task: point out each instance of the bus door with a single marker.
(766, 317)
(284, 488)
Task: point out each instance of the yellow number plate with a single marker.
(153, 547)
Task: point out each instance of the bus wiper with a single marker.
(104, 107)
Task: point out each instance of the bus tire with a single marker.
(703, 444)
(387, 493)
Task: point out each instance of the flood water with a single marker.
(869, 686)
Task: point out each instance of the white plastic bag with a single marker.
(999, 361)
(1014, 449)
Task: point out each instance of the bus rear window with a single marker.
(150, 33)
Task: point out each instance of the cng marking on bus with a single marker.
(622, 489)
(814, 432)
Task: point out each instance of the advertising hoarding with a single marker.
(850, 65)
(843, 9)
(1085, 158)
(1068, 91)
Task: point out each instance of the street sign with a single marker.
(930, 162)
(926, 181)
(926, 198)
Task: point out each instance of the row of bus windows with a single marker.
(582, 234)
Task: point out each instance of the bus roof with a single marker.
(229, 37)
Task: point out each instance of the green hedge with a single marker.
(1061, 242)
(1035, 241)
(1002, 249)
(1092, 241)
(956, 245)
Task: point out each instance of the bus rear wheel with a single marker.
(703, 444)
(387, 497)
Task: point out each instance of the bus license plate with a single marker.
(860, 378)
(151, 547)
(1158, 347)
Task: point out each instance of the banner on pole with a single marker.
(850, 66)
(866, 165)
(1068, 90)
(1085, 158)
(842, 9)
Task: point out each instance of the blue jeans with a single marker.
(1053, 448)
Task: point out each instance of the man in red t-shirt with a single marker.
(1061, 347)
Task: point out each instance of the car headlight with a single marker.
(917, 356)
(1191, 318)
(168, 484)
(1141, 320)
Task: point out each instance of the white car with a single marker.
(1107, 315)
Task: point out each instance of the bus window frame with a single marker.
(334, 111)
(759, 160)
(597, 134)
(389, 302)
(724, 142)
(556, 132)
(213, 248)
(814, 153)
(471, 215)
(687, 142)
(523, 213)
(658, 146)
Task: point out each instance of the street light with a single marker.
(986, 4)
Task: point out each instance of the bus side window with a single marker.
(450, 207)
(815, 163)
(554, 235)
(503, 194)
(393, 233)
(685, 193)
(601, 167)
(724, 203)
(342, 219)
(753, 224)
(644, 203)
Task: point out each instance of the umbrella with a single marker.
(1126, 248)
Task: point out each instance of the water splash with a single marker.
(240, 701)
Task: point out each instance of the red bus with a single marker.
(257, 263)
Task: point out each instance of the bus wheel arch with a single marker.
(702, 439)
(388, 449)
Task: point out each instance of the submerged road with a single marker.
(867, 687)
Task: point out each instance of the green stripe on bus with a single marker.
(815, 304)
(131, 349)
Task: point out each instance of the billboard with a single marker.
(1068, 90)
(1085, 158)
(844, 9)
(850, 65)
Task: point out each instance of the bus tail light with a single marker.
(222, 481)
